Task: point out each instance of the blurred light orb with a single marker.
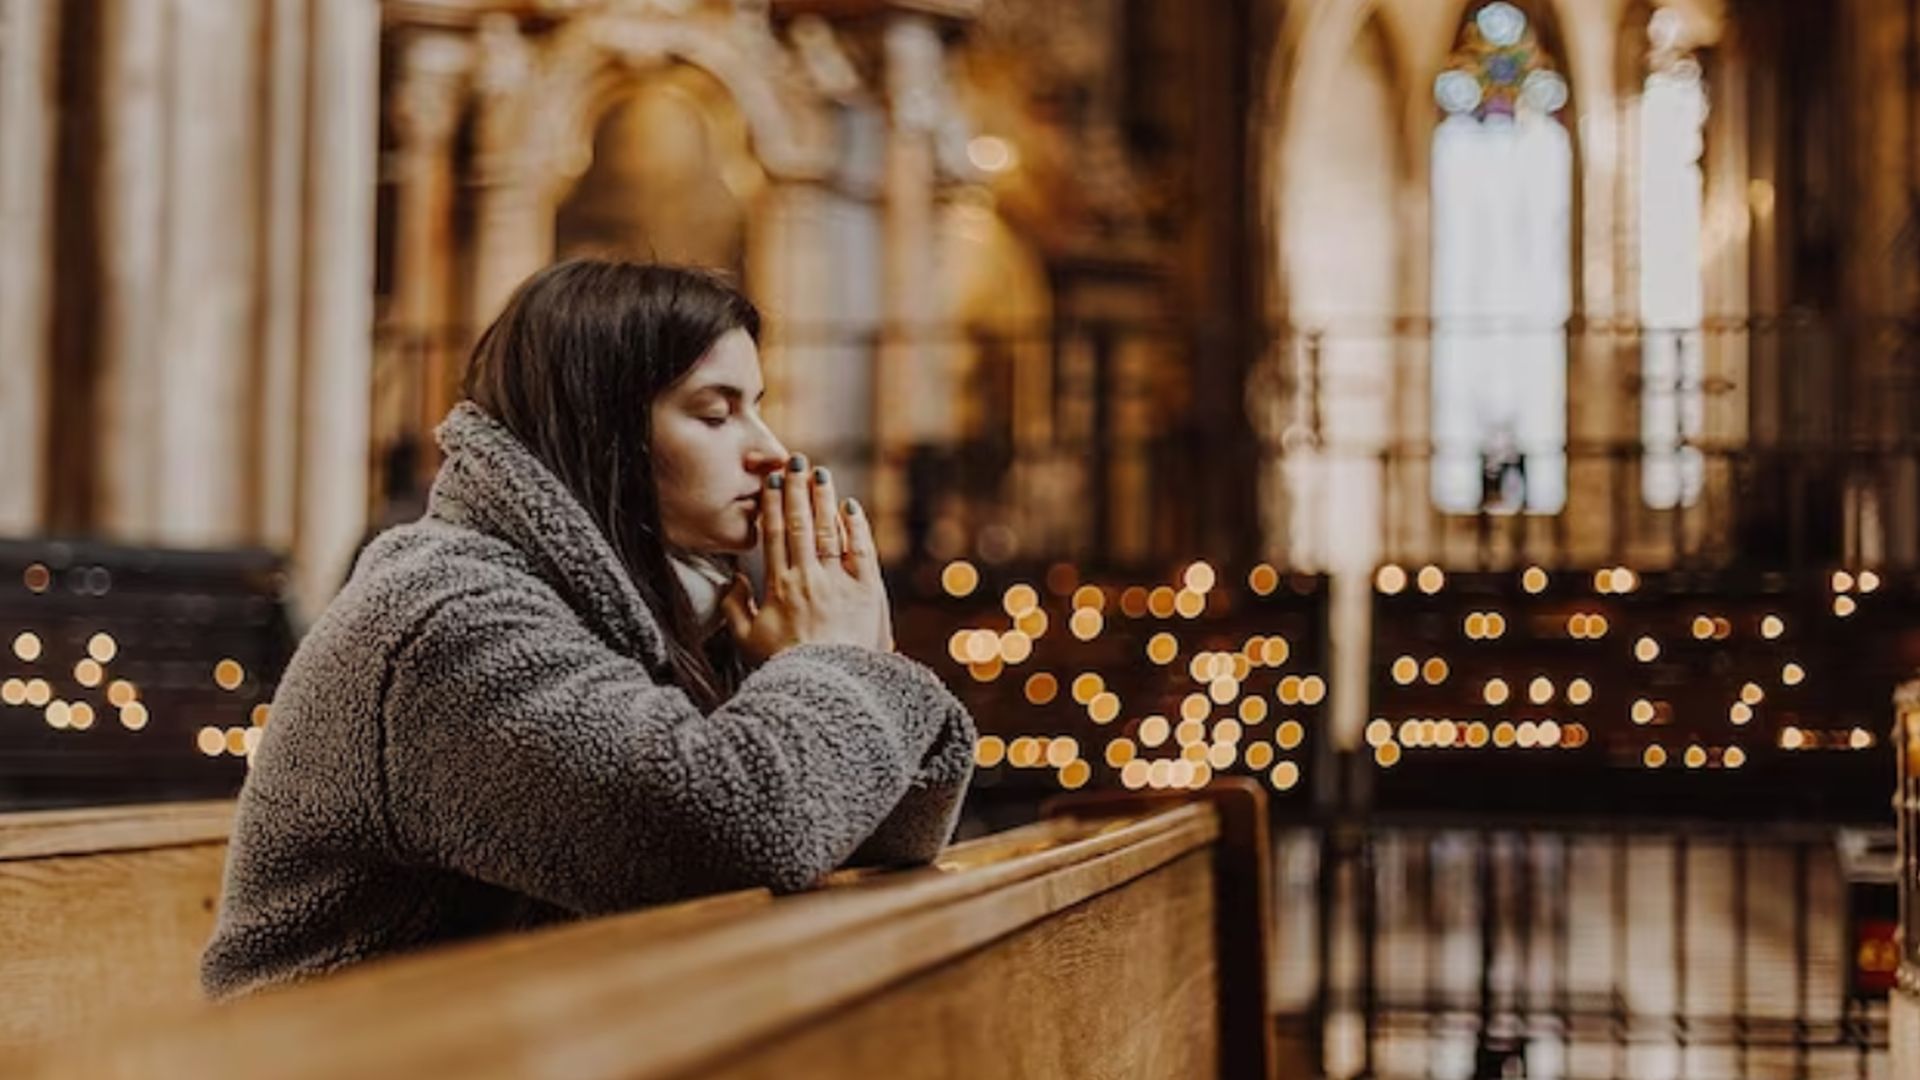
(1162, 648)
(990, 153)
(1198, 578)
(959, 578)
(1020, 599)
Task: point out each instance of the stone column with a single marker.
(132, 203)
(27, 68)
(1728, 274)
(913, 64)
(283, 276)
(1903, 1037)
(337, 345)
(427, 108)
(1880, 273)
(1132, 511)
(513, 224)
(207, 330)
(1599, 411)
(796, 269)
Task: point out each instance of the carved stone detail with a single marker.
(433, 89)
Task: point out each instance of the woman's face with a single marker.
(711, 450)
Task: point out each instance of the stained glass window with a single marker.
(1502, 273)
(1673, 110)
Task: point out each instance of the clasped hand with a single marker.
(823, 575)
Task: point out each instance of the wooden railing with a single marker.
(1131, 943)
(103, 913)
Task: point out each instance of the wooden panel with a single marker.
(1243, 934)
(90, 942)
(40, 833)
(1122, 985)
(614, 998)
(103, 913)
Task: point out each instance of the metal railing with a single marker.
(1622, 950)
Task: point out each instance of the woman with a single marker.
(547, 698)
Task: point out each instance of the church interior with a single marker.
(1438, 469)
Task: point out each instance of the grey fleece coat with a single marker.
(479, 734)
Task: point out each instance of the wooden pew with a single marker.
(103, 913)
(1081, 946)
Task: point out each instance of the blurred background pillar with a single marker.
(903, 389)
(335, 422)
(428, 104)
(131, 201)
(27, 71)
(228, 284)
(210, 274)
(1904, 1002)
(283, 222)
(810, 355)
(513, 218)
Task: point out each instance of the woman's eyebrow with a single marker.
(729, 391)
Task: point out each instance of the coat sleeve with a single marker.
(522, 751)
(923, 820)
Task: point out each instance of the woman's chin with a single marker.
(745, 540)
(719, 541)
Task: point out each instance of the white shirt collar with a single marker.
(705, 580)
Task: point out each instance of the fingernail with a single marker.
(820, 475)
(776, 480)
(853, 505)
(798, 464)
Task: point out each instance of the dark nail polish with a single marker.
(798, 464)
(775, 481)
(820, 475)
(853, 506)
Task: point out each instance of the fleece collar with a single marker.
(491, 482)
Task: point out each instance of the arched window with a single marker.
(1502, 271)
(1673, 110)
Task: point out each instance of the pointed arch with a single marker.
(1341, 247)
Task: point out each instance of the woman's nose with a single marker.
(767, 453)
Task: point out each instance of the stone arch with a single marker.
(1342, 250)
(540, 100)
(593, 60)
(1309, 59)
(671, 176)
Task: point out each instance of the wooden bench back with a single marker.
(103, 913)
(1074, 947)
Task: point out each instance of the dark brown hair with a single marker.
(572, 367)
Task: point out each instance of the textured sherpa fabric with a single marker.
(480, 734)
